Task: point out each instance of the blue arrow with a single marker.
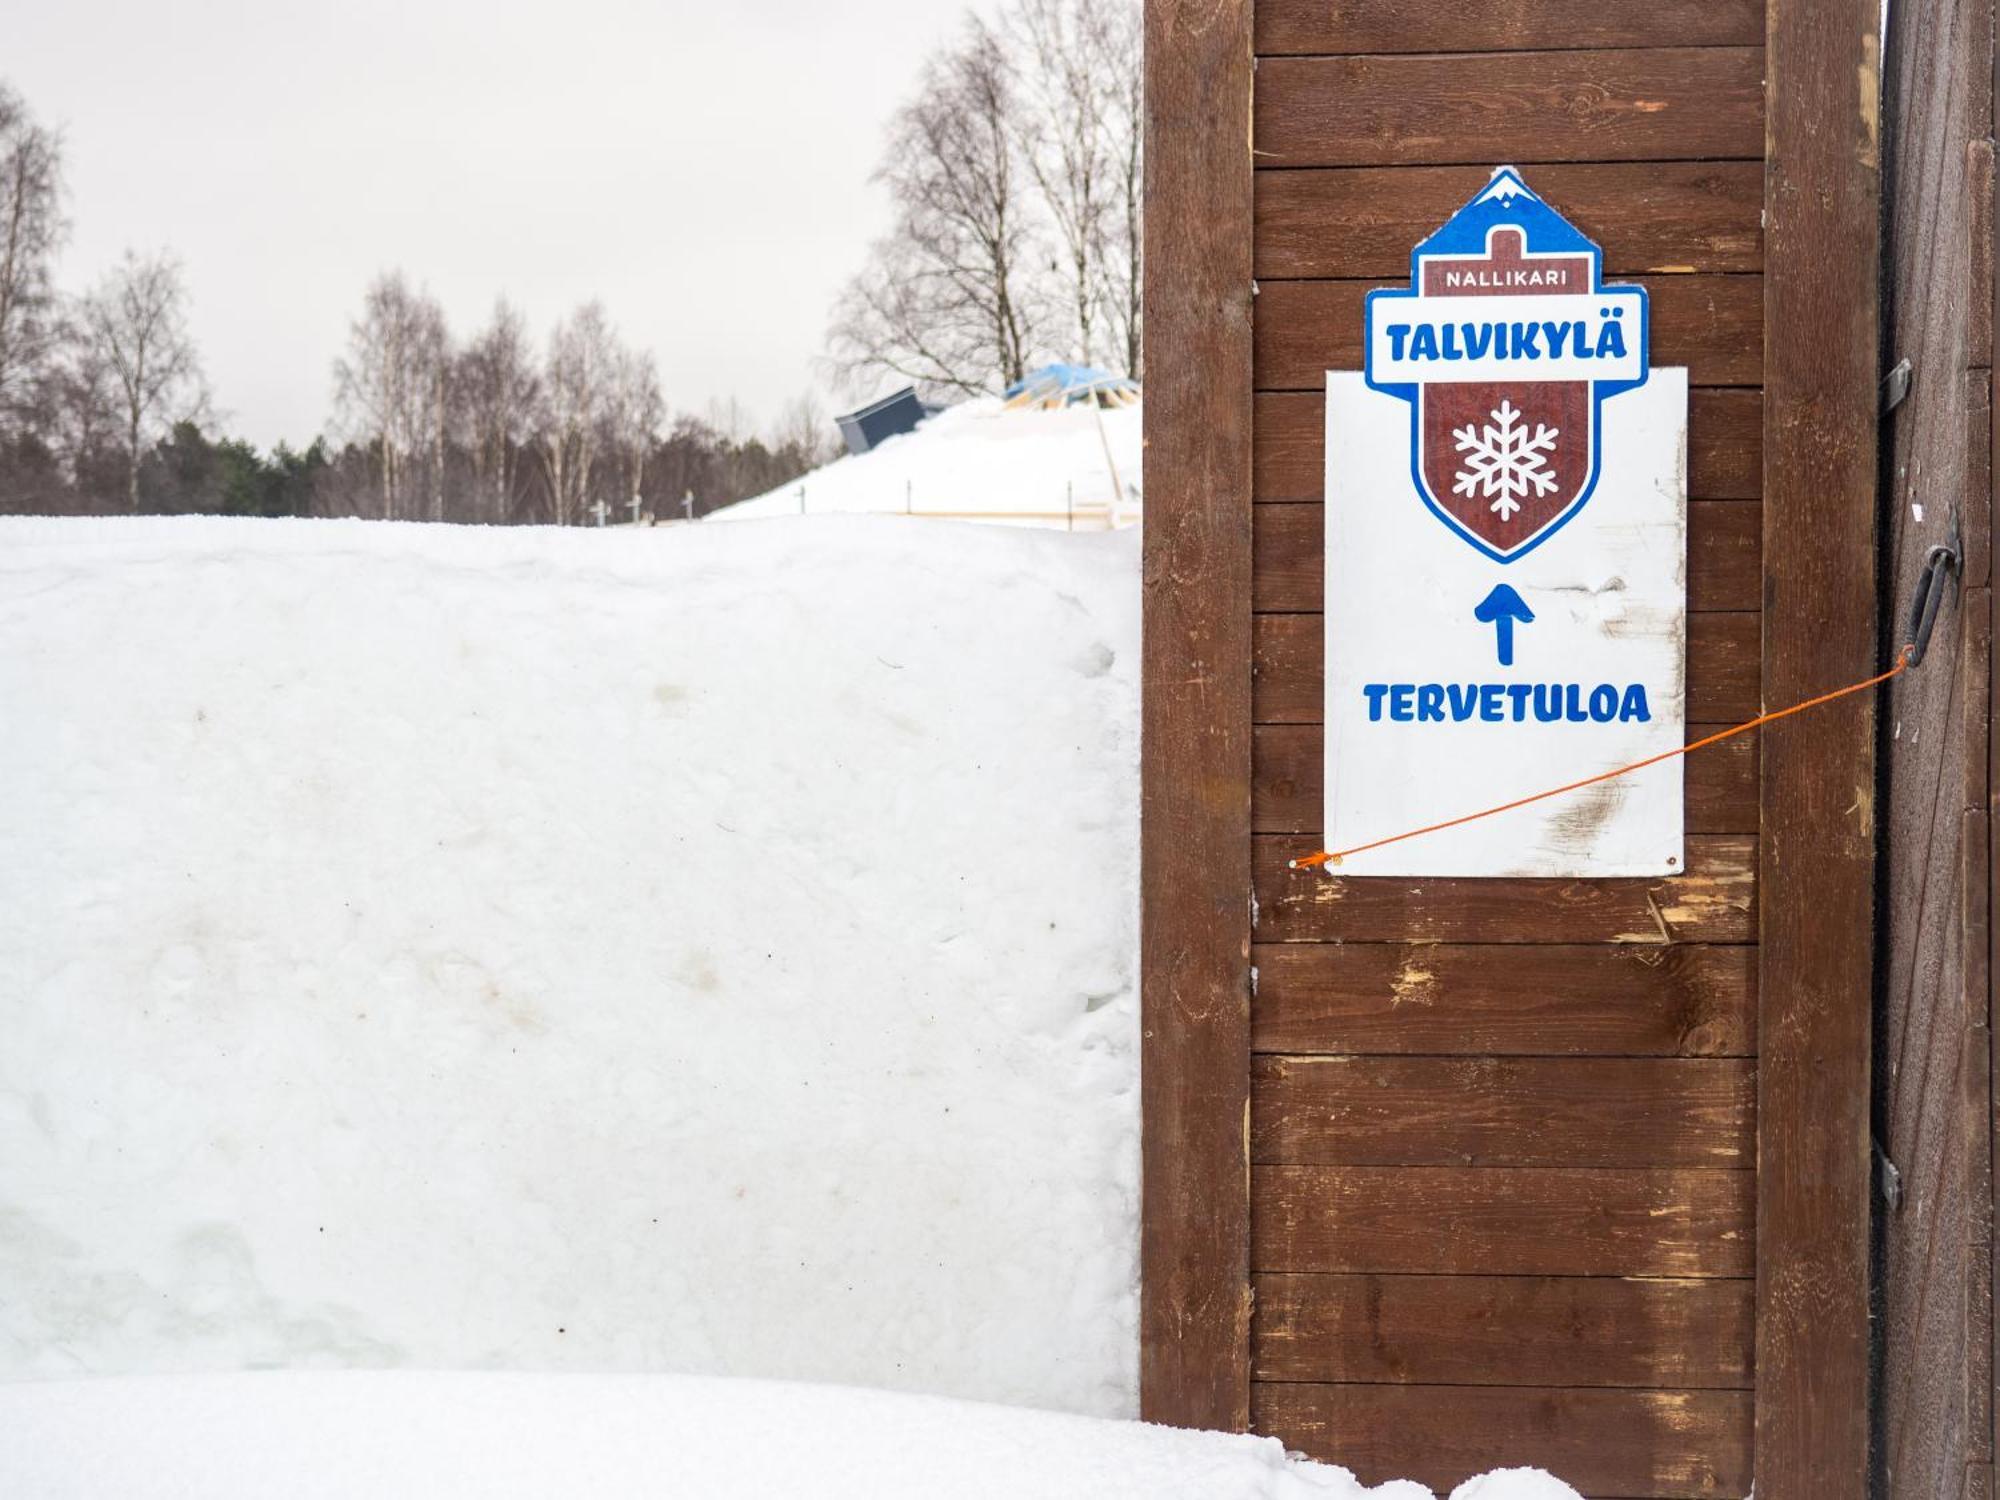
(1501, 609)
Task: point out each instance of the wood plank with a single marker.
(1714, 902)
(1724, 559)
(1723, 653)
(1931, 1116)
(1822, 364)
(1652, 104)
(1686, 1000)
(1724, 674)
(1288, 791)
(1979, 186)
(1932, 1380)
(1195, 757)
(1503, 1111)
(1725, 445)
(1659, 217)
(1974, 1122)
(1660, 1443)
(1503, 1330)
(1711, 324)
(1303, 27)
(1503, 1221)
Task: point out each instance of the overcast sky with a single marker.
(701, 167)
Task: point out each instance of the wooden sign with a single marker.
(1506, 601)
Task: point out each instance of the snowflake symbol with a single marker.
(1505, 462)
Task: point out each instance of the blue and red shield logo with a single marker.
(1505, 345)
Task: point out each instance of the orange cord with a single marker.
(1327, 857)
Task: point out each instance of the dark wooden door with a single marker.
(1503, 1131)
(1934, 1111)
(1447, 1175)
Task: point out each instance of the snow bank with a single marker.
(496, 1436)
(707, 949)
(983, 461)
(1515, 1484)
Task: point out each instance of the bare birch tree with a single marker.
(390, 389)
(497, 390)
(76, 403)
(1017, 177)
(435, 373)
(1121, 37)
(582, 363)
(1058, 49)
(634, 412)
(31, 231)
(804, 432)
(137, 319)
(950, 300)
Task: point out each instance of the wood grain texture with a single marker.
(1288, 776)
(1980, 206)
(1724, 563)
(1714, 902)
(1722, 664)
(1934, 1049)
(1612, 1443)
(1659, 217)
(1361, 26)
(1975, 1120)
(1502, 1111)
(1195, 760)
(1816, 931)
(1936, 1118)
(1725, 446)
(1652, 104)
(1503, 1330)
(1494, 1221)
(1711, 324)
(1683, 1000)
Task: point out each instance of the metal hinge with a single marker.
(1895, 386)
(1887, 1178)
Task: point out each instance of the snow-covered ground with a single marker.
(495, 1436)
(707, 949)
(1072, 467)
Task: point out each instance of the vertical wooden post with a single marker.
(1933, 1057)
(1195, 797)
(1817, 851)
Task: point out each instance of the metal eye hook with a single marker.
(1944, 558)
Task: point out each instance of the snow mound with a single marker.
(1515, 1484)
(1074, 466)
(497, 1436)
(705, 949)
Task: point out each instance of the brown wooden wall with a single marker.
(1934, 1036)
(1503, 1131)
(1447, 1175)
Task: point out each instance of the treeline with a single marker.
(695, 467)
(492, 430)
(1016, 174)
(104, 408)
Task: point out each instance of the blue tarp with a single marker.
(1065, 383)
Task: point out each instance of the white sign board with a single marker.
(1506, 601)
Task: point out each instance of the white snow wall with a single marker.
(708, 949)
